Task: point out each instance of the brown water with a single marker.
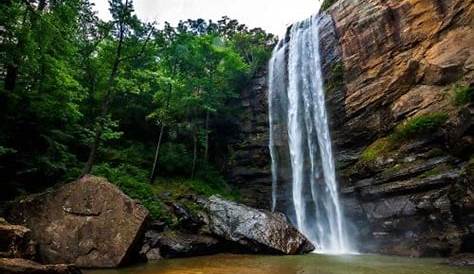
(307, 264)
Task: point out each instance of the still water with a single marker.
(306, 264)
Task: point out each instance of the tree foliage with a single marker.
(76, 91)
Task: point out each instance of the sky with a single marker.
(271, 15)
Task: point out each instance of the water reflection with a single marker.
(307, 264)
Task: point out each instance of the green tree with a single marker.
(127, 34)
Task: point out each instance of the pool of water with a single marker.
(305, 264)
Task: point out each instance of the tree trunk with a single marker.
(10, 77)
(98, 135)
(154, 171)
(195, 141)
(106, 102)
(206, 144)
(90, 160)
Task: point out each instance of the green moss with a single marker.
(336, 78)
(435, 171)
(326, 4)
(463, 95)
(378, 148)
(435, 152)
(419, 126)
(412, 128)
(393, 169)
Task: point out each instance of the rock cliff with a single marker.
(399, 78)
(249, 160)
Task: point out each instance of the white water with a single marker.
(296, 87)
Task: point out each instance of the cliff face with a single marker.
(249, 159)
(403, 138)
(399, 77)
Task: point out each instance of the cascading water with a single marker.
(300, 141)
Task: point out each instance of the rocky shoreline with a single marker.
(111, 230)
(69, 228)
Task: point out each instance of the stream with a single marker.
(304, 264)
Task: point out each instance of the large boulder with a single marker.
(22, 266)
(255, 230)
(89, 223)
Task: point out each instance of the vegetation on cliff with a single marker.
(463, 94)
(326, 4)
(336, 78)
(415, 127)
(121, 98)
(419, 125)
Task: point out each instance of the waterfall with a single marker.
(300, 141)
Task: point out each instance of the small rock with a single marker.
(15, 241)
(22, 266)
(158, 226)
(153, 254)
(174, 244)
(464, 259)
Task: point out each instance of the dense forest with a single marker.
(139, 103)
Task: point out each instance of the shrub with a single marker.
(414, 127)
(6, 150)
(379, 147)
(130, 153)
(174, 159)
(463, 95)
(327, 4)
(132, 181)
(418, 126)
(179, 187)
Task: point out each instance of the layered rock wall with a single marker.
(405, 177)
(403, 139)
(249, 160)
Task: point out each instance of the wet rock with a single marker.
(150, 249)
(248, 160)
(188, 219)
(255, 230)
(177, 244)
(465, 259)
(158, 226)
(89, 223)
(22, 266)
(15, 241)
